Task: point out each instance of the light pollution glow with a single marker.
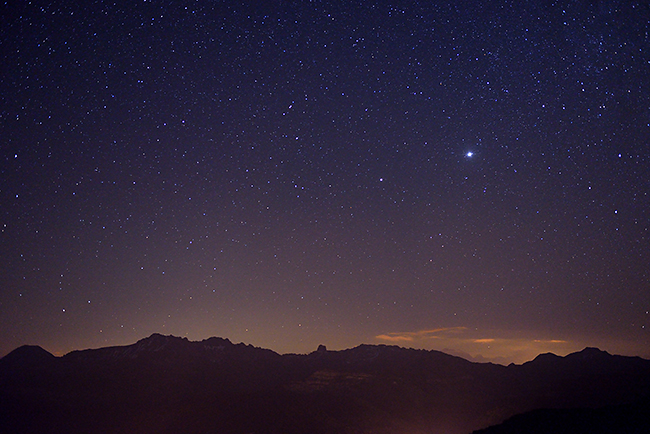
(473, 344)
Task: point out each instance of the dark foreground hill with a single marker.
(620, 419)
(165, 384)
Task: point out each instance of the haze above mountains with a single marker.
(166, 384)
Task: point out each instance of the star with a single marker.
(228, 182)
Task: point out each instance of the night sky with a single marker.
(463, 176)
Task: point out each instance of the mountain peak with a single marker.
(29, 352)
(593, 351)
(215, 341)
(587, 354)
(157, 342)
(545, 358)
(158, 337)
(27, 357)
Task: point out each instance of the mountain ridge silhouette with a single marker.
(166, 384)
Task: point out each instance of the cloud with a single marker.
(396, 338)
(419, 335)
(498, 346)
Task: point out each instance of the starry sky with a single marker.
(454, 175)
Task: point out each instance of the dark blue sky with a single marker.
(295, 173)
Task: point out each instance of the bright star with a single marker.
(469, 154)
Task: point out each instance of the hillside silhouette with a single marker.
(165, 384)
(631, 418)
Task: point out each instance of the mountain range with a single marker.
(166, 384)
